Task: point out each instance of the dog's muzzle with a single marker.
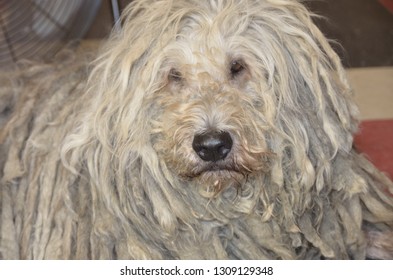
(221, 160)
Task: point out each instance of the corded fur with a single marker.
(97, 163)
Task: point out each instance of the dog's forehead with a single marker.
(199, 51)
(207, 40)
(193, 57)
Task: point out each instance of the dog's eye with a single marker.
(237, 67)
(175, 76)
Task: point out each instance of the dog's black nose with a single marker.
(212, 146)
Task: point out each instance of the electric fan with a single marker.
(38, 29)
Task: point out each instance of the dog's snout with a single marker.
(212, 146)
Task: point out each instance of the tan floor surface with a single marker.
(373, 89)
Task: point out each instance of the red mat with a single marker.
(388, 4)
(375, 139)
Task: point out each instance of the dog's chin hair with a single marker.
(210, 186)
(215, 181)
(216, 176)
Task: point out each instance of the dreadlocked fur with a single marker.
(97, 163)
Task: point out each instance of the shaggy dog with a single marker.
(216, 129)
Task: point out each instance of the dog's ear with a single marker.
(314, 113)
(307, 71)
(125, 72)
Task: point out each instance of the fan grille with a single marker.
(37, 29)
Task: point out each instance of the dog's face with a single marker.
(210, 126)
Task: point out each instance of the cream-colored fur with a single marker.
(98, 162)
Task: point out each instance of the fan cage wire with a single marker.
(31, 29)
